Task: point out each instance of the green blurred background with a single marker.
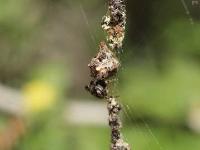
(45, 46)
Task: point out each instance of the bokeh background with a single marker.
(45, 46)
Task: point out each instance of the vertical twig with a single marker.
(106, 64)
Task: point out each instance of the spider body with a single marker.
(98, 88)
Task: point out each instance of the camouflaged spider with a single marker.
(102, 67)
(98, 88)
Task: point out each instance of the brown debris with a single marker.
(115, 125)
(114, 23)
(105, 65)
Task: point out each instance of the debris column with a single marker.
(106, 64)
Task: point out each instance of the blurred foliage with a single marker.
(45, 133)
(46, 85)
(3, 120)
(56, 74)
(38, 96)
(183, 38)
(165, 95)
(80, 138)
(18, 21)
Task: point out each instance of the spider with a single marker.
(98, 88)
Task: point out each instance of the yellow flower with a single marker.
(38, 96)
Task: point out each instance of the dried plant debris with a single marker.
(120, 145)
(105, 64)
(113, 106)
(114, 23)
(115, 124)
(117, 12)
(115, 37)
